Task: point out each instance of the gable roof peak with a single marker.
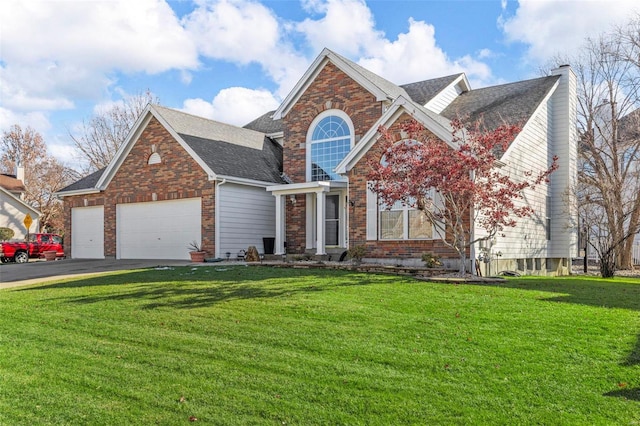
(380, 87)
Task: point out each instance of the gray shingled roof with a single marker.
(87, 182)
(193, 125)
(422, 92)
(230, 159)
(512, 103)
(265, 124)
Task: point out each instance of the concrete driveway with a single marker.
(14, 274)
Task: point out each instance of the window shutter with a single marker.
(438, 203)
(372, 214)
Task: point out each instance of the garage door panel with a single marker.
(87, 232)
(158, 230)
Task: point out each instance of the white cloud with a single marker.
(37, 120)
(550, 27)
(57, 51)
(244, 32)
(65, 153)
(348, 26)
(416, 56)
(235, 105)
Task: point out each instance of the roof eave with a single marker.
(86, 191)
(398, 107)
(312, 72)
(21, 202)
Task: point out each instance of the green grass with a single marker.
(251, 345)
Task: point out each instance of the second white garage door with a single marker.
(158, 230)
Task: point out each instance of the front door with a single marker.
(332, 220)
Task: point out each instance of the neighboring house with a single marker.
(13, 209)
(329, 125)
(176, 179)
(299, 174)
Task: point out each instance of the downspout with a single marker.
(216, 228)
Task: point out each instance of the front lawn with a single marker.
(253, 345)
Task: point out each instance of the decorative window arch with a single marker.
(329, 139)
(154, 159)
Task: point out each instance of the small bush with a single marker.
(357, 252)
(430, 260)
(6, 234)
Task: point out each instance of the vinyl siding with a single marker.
(12, 215)
(246, 215)
(529, 152)
(443, 99)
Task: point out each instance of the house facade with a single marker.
(299, 174)
(13, 209)
(177, 179)
(329, 124)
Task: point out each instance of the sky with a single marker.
(62, 61)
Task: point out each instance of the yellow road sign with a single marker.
(28, 221)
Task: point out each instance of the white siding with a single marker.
(245, 215)
(564, 144)
(444, 98)
(12, 214)
(529, 152)
(551, 131)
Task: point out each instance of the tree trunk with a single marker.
(607, 264)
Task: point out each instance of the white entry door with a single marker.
(158, 230)
(87, 232)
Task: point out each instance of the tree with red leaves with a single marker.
(454, 186)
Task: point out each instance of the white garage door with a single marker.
(158, 230)
(87, 232)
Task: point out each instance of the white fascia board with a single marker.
(530, 122)
(21, 202)
(394, 112)
(306, 187)
(243, 181)
(276, 135)
(314, 70)
(86, 191)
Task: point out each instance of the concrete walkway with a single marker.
(15, 275)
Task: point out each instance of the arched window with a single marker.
(330, 139)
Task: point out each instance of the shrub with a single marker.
(6, 234)
(430, 260)
(357, 252)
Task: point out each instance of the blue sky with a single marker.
(232, 60)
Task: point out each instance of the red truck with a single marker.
(34, 247)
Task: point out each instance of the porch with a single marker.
(325, 215)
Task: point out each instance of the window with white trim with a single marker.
(330, 141)
(401, 222)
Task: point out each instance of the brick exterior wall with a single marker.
(332, 89)
(358, 212)
(177, 177)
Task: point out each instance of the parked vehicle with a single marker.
(34, 247)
